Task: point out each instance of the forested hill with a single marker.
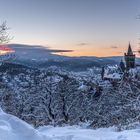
(58, 97)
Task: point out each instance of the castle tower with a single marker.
(129, 58)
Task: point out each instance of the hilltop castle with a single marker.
(115, 73)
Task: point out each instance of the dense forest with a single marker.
(58, 97)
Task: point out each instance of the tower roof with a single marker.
(129, 52)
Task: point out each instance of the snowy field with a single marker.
(12, 128)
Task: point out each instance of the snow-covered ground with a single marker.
(75, 133)
(12, 128)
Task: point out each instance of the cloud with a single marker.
(114, 47)
(36, 47)
(83, 44)
(48, 49)
(59, 51)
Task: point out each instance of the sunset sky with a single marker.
(88, 27)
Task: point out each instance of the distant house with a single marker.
(112, 73)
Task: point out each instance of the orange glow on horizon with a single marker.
(94, 52)
(98, 49)
(72, 54)
(5, 50)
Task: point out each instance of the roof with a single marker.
(113, 76)
(129, 52)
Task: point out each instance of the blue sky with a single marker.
(89, 27)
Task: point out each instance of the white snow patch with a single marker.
(12, 128)
(76, 133)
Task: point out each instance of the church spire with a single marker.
(129, 52)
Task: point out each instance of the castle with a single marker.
(116, 72)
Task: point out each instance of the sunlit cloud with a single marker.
(5, 50)
(59, 51)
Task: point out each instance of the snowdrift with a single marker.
(12, 128)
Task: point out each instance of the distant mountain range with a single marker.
(42, 57)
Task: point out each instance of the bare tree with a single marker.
(4, 35)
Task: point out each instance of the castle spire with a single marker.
(129, 52)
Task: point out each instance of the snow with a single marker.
(12, 128)
(113, 76)
(83, 87)
(76, 133)
(111, 72)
